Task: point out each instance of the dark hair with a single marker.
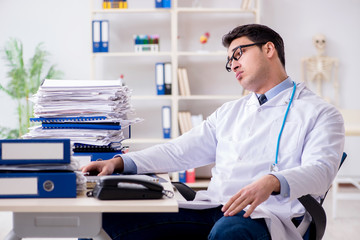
(257, 33)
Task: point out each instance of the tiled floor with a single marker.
(345, 226)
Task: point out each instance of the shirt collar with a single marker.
(287, 83)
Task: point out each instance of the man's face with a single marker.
(250, 67)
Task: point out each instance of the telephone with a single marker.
(126, 187)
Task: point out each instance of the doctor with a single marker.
(269, 148)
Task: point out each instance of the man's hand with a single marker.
(253, 194)
(104, 167)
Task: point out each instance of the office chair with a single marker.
(317, 225)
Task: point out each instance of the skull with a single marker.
(319, 41)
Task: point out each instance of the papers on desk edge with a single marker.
(197, 205)
(200, 202)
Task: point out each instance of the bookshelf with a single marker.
(179, 28)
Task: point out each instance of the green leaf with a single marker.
(25, 81)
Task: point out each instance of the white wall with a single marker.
(64, 27)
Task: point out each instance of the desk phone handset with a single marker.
(126, 187)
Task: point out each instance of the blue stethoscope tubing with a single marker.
(282, 127)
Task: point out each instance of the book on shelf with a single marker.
(245, 4)
(188, 121)
(184, 121)
(184, 87)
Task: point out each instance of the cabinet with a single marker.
(180, 29)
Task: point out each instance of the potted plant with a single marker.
(24, 82)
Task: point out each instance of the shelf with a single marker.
(130, 54)
(203, 53)
(134, 10)
(209, 97)
(179, 53)
(192, 97)
(151, 97)
(214, 10)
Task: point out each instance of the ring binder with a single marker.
(38, 185)
(26, 151)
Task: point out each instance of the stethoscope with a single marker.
(273, 167)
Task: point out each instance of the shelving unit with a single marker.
(177, 47)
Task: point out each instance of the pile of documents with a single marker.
(91, 113)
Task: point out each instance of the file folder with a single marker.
(159, 77)
(96, 35)
(166, 121)
(167, 78)
(64, 119)
(166, 3)
(104, 40)
(88, 148)
(77, 125)
(158, 3)
(30, 151)
(94, 156)
(38, 185)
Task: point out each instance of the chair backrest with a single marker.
(314, 208)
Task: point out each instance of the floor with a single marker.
(345, 226)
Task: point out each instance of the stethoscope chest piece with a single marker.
(273, 167)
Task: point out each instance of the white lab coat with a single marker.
(241, 136)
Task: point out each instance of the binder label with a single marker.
(30, 151)
(24, 186)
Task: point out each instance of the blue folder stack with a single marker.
(38, 168)
(91, 113)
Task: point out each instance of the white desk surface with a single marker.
(88, 204)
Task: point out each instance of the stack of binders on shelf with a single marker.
(115, 4)
(100, 35)
(163, 78)
(91, 113)
(162, 3)
(37, 168)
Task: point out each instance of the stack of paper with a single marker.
(88, 112)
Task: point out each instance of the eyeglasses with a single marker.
(237, 53)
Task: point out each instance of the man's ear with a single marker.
(270, 49)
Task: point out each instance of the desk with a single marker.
(74, 217)
(352, 128)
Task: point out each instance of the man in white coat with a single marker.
(270, 147)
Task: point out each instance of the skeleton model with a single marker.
(319, 69)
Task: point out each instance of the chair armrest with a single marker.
(317, 214)
(187, 192)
